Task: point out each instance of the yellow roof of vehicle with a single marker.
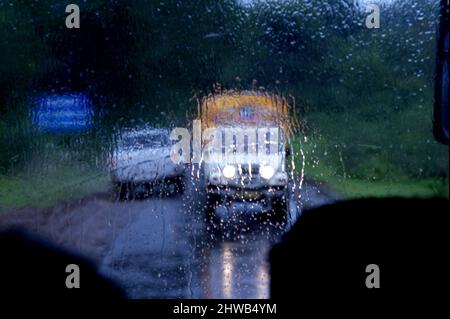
(245, 108)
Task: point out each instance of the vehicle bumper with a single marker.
(246, 194)
(146, 173)
(250, 201)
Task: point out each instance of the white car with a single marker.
(141, 163)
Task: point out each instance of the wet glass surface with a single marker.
(359, 100)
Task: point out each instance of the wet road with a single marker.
(168, 250)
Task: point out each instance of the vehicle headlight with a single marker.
(229, 171)
(266, 172)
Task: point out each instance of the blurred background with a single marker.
(363, 96)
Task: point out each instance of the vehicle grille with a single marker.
(246, 171)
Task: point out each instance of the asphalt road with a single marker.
(163, 247)
(169, 249)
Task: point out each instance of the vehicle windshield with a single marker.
(349, 82)
(145, 141)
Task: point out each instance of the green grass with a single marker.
(49, 168)
(357, 188)
(66, 172)
(392, 183)
(64, 183)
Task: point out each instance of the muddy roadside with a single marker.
(89, 226)
(86, 226)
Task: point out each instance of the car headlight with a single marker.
(266, 172)
(229, 171)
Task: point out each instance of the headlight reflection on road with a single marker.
(262, 285)
(227, 271)
(238, 270)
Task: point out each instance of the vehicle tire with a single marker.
(212, 201)
(118, 191)
(280, 210)
(115, 192)
(179, 183)
(217, 227)
(128, 191)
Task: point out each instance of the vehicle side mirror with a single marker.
(440, 116)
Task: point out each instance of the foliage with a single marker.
(365, 96)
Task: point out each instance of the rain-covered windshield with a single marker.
(352, 80)
(145, 140)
